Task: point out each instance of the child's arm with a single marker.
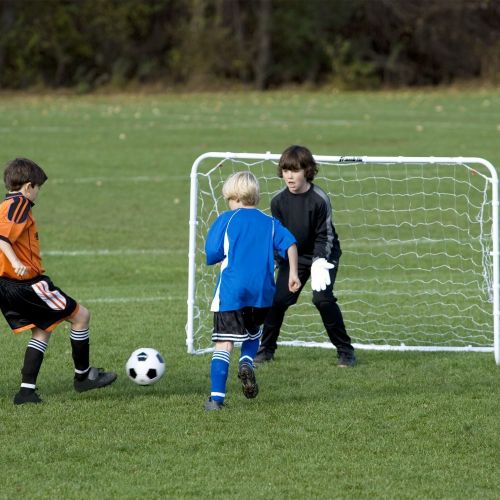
(18, 266)
(322, 232)
(214, 244)
(284, 241)
(293, 276)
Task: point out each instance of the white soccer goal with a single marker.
(419, 235)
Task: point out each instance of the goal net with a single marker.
(419, 269)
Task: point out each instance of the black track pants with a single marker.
(325, 302)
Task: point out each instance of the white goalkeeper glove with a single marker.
(320, 274)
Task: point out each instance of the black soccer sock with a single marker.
(80, 347)
(33, 359)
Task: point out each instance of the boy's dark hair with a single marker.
(20, 171)
(296, 158)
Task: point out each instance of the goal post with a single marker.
(420, 262)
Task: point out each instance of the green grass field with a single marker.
(113, 221)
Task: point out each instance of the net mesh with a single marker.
(416, 242)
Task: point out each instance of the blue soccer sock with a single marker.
(249, 349)
(219, 370)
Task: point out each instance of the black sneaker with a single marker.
(249, 385)
(263, 356)
(96, 378)
(27, 396)
(346, 360)
(210, 405)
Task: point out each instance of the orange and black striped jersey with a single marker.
(18, 227)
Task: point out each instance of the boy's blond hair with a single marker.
(242, 186)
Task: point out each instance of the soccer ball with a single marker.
(145, 366)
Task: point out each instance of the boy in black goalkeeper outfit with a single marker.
(305, 210)
(28, 299)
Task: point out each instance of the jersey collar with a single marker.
(13, 195)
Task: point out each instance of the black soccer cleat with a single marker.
(263, 356)
(27, 396)
(210, 405)
(346, 360)
(96, 378)
(249, 385)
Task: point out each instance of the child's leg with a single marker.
(332, 318)
(249, 348)
(219, 370)
(246, 371)
(334, 324)
(33, 359)
(86, 377)
(283, 299)
(253, 317)
(80, 342)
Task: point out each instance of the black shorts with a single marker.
(34, 303)
(238, 326)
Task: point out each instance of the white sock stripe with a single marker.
(222, 355)
(36, 341)
(255, 335)
(243, 358)
(81, 372)
(220, 359)
(28, 386)
(79, 334)
(39, 345)
(220, 394)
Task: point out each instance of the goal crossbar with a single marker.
(248, 159)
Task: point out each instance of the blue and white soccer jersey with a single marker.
(245, 241)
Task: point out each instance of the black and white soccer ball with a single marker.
(145, 366)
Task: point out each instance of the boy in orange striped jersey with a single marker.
(28, 299)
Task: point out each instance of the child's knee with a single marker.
(224, 345)
(39, 334)
(283, 303)
(81, 319)
(322, 302)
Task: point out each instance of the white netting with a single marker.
(416, 242)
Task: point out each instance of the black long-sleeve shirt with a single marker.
(308, 216)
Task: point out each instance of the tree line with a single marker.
(262, 44)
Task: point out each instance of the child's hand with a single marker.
(320, 274)
(294, 283)
(20, 269)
